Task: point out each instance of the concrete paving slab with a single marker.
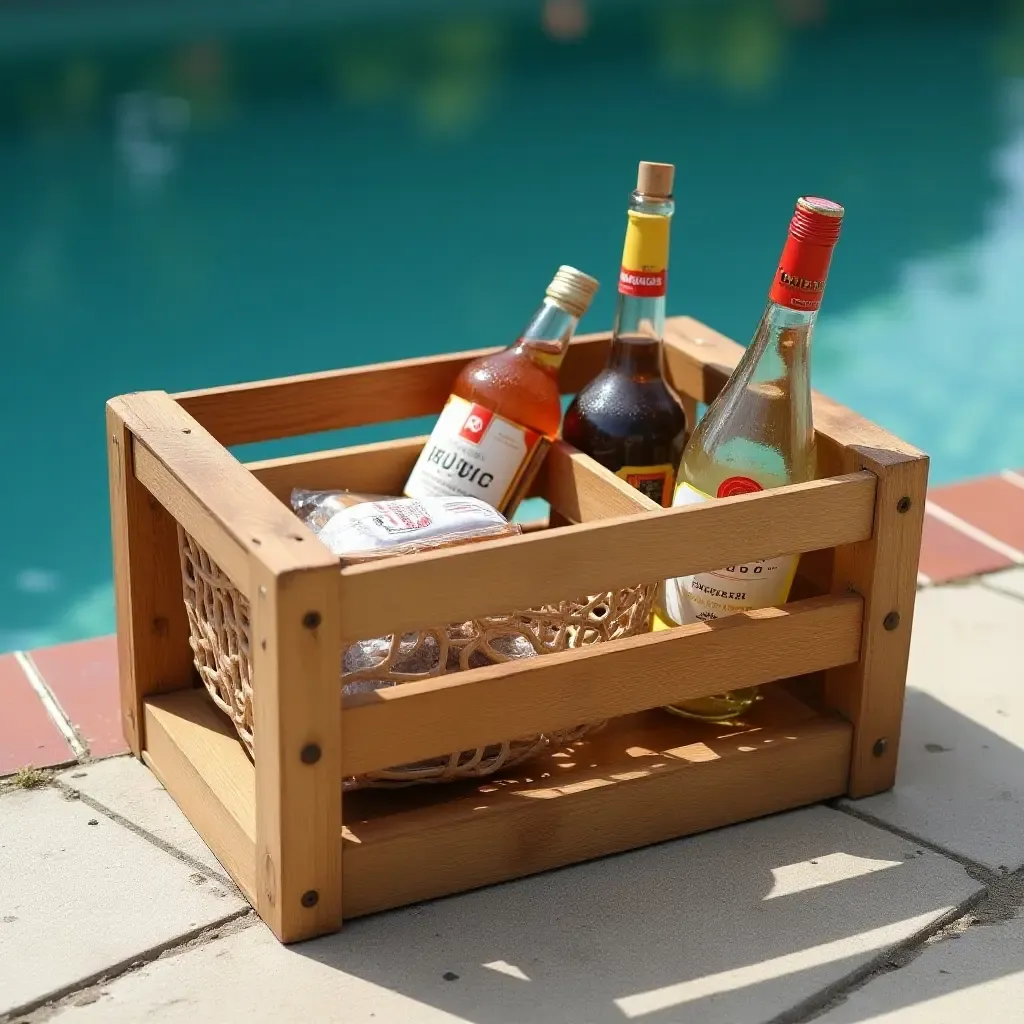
(124, 787)
(977, 976)
(732, 927)
(1010, 582)
(80, 895)
(960, 783)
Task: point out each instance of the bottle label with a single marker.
(474, 453)
(644, 271)
(800, 280)
(654, 481)
(734, 588)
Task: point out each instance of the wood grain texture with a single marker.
(417, 720)
(194, 752)
(581, 491)
(312, 402)
(883, 569)
(213, 495)
(494, 577)
(153, 653)
(296, 655)
(380, 468)
(645, 779)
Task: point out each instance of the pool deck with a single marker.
(905, 907)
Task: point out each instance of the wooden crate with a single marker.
(304, 857)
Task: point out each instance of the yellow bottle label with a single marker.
(654, 481)
(644, 271)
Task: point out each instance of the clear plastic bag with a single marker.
(359, 527)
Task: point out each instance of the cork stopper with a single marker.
(655, 179)
(572, 290)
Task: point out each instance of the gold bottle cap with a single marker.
(655, 179)
(572, 290)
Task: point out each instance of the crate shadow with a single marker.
(740, 924)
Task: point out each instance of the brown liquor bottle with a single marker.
(505, 409)
(626, 418)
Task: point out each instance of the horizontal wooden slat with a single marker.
(212, 494)
(582, 491)
(312, 402)
(194, 752)
(422, 719)
(643, 779)
(495, 577)
(380, 468)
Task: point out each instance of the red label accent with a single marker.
(738, 485)
(477, 422)
(800, 280)
(645, 284)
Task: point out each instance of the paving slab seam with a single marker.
(71, 793)
(49, 701)
(979, 872)
(999, 902)
(44, 1008)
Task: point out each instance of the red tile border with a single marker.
(83, 678)
(28, 736)
(947, 554)
(990, 504)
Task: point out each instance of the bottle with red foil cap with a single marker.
(757, 434)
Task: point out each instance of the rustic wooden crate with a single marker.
(837, 652)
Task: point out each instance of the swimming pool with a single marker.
(200, 206)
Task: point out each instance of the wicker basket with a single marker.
(219, 626)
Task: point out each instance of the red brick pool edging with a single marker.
(62, 706)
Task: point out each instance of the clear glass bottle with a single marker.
(505, 409)
(757, 434)
(626, 418)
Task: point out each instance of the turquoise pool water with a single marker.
(201, 205)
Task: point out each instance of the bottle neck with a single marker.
(546, 337)
(639, 323)
(780, 351)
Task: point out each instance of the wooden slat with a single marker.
(422, 719)
(213, 495)
(581, 491)
(883, 568)
(495, 577)
(296, 653)
(312, 402)
(644, 779)
(380, 468)
(153, 653)
(195, 754)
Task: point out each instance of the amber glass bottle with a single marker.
(504, 409)
(626, 418)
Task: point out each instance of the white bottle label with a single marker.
(473, 453)
(736, 588)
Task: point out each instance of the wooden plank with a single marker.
(296, 645)
(194, 752)
(581, 490)
(495, 577)
(212, 495)
(643, 780)
(312, 402)
(380, 468)
(153, 653)
(883, 569)
(417, 720)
